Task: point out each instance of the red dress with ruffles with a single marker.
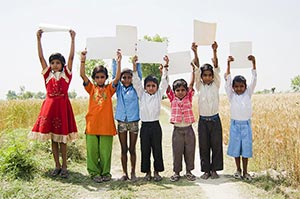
(56, 119)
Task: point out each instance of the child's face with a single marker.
(239, 87)
(180, 92)
(100, 79)
(151, 87)
(207, 77)
(56, 65)
(126, 79)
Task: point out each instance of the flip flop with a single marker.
(190, 177)
(237, 175)
(157, 178)
(64, 173)
(56, 172)
(174, 178)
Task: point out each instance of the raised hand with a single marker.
(230, 59)
(252, 58)
(73, 34)
(166, 59)
(119, 56)
(214, 46)
(194, 47)
(83, 55)
(39, 34)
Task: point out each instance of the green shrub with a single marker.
(75, 153)
(17, 162)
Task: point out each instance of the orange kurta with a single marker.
(100, 119)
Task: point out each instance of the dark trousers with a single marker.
(151, 138)
(183, 144)
(210, 144)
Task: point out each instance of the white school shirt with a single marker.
(240, 105)
(150, 104)
(208, 98)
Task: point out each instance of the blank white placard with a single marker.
(180, 62)
(126, 39)
(101, 47)
(204, 33)
(240, 52)
(53, 28)
(151, 52)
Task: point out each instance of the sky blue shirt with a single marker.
(127, 109)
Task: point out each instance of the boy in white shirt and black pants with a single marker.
(209, 125)
(150, 97)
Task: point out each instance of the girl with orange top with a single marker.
(100, 126)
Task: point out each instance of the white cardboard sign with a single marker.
(204, 33)
(126, 39)
(180, 62)
(53, 28)
(151, 52)
(101, 47)
(240, 52)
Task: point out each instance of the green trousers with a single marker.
(99, 148)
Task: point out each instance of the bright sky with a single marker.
(272, 26)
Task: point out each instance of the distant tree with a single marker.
(72, 94)
(295, 83)
(11, 95)
(91, 64)
(40, 95)
(273, 90)
(153, 69)
(26, 95)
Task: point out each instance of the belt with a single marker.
(209, 118)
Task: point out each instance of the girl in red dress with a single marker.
(56, 119)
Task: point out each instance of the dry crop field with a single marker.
(275, 121)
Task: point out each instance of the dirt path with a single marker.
(225, 186)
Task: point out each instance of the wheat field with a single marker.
(275, 122)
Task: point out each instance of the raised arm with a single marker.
(215, 58)
(72, 49)
(136, 81)
(229, 60)
(191, 85)
(196, 58)
(196, 64)
(118, 73)
(254, 74)
(40, 49)
(164, 83)
(228, 81)
(82, 66)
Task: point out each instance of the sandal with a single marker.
(124, 178)
(237, 175)
(147, 177)
(190, 177)
(174, 178)
(205, 176)
(64, 173)
(133, 177)
(55, 172)
(247, 177)
(106, 178)
(157, 177)
(97, 179)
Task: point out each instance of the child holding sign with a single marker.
(56, 120)
(239, 95)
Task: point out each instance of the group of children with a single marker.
(137, 100)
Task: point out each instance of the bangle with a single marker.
(82, 61)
